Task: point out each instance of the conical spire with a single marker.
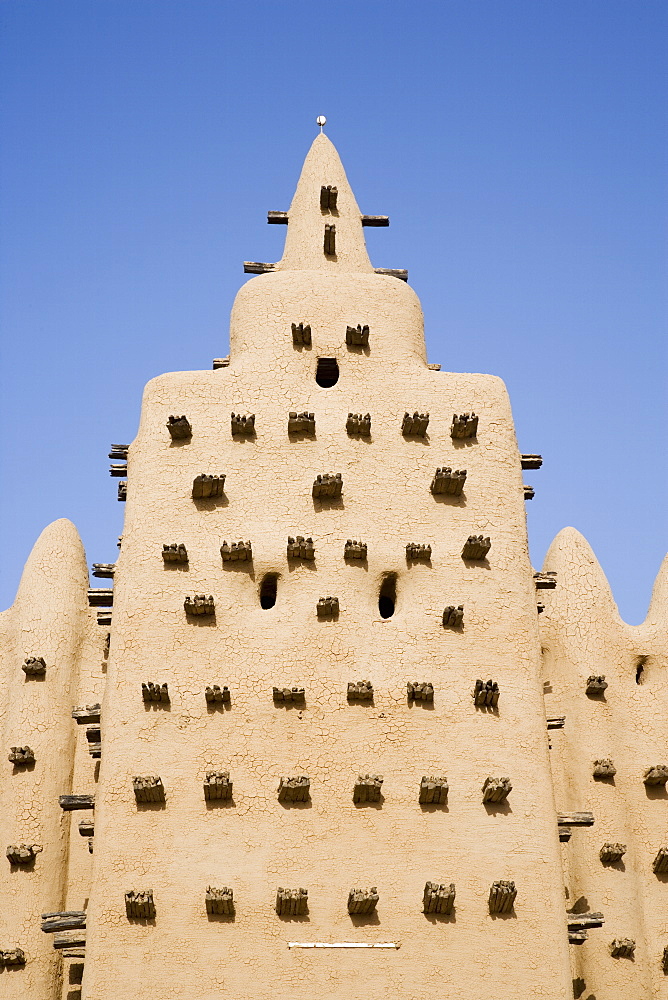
(324, 222)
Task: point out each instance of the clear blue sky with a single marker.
(519, 148)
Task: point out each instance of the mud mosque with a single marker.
(329, 733)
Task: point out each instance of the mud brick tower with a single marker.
(323, 744)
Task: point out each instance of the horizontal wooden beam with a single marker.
(86, 714)
(72, 802)
(575, 819)
(556, 722)
(532, 461)
(393, 272)
(257, 267)
(72, 920)
(580, 921)
(375, 220)
(99, 597)
(73, 940)
(104, 571)
(277, 218)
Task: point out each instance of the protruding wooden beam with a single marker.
(375, 220)
(532, 461)
(277, 218)
(556, 722)
(100, 597)
(329, 240)
(104, 571)
(583, 921)
(257, 267)
(86, 714)
(68, 920)
(575, 819)
(76, 939)
(71, 802)
(393, 272)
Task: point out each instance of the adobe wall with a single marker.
(329, 844)
(256, 844)
(582, 635)
(49, 618)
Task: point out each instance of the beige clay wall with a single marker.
(49, 618)
(582, 635)
(255, 844)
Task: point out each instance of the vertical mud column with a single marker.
(49, 619)
(612, 735)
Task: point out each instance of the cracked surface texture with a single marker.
(252, 842)
(582, 635)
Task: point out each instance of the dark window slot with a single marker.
(327, 372)
(387, 597)
(268, 589)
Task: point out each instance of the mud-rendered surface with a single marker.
(249, 842)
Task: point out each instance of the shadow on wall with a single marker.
(431, 807)
(213, 804)
(498, 808)
(221, 918)
(327, 503)
(442, 918)
(151, 806)
(75, 975)
(364, 919)
(213, 707)
(504, 916)
(211, 503)
(201, 621)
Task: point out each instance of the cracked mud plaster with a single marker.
(252, 842)
(583, 635)
(49, 618)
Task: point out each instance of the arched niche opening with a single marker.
(387, 596)
(268, 591)
(327, 372)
